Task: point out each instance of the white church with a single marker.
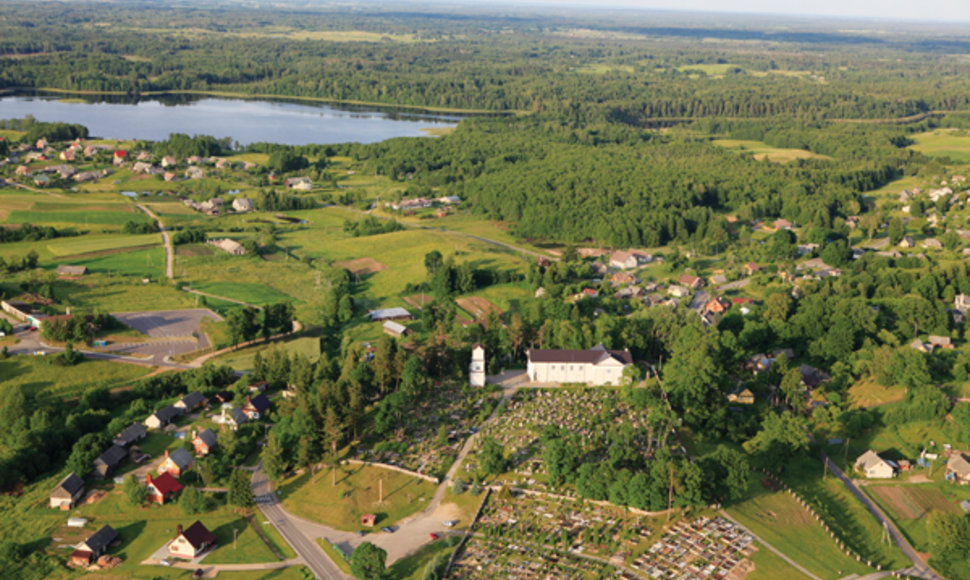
(596, 366)
(476, 370)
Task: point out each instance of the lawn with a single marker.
(868, 393)
(242, 360)
(770, 566)
(412, 567)
(78, 218)
(782, 522)
(763, 150)
(952, 143)
(355, 494)
(247, 548)
(336, 555)
(120, 294)
(39, 377)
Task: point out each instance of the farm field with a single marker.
(39, 377)
(242, 360)
(763, 150)
(71, 247)
(782, 522)
(120, 293)
(258, 294)
(952, 143)
(355, 494)
(909, 505)
(145, 262)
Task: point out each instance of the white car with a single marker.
(449, 523)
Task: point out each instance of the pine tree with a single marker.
(240, 490)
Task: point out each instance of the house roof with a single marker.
(192, 400)
(101, 539)
(688, 279)
(166, 414)
(133, 433)
(259, 402)
(208, 436)
(113, 456)
(595, 355)
(811, 376)
(198, 535)
(958, 463)
(165, 483)
(71, 484)
(238, 416)
(181, 458)
(395, 327)
(868, 460)
(224, 396)
(396, 312)
(68, 270)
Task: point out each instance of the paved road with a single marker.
(166, 239)
(920, 569)
(306, 548)
(780, 554)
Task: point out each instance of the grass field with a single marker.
(412, 567)
(952, 143)
(843, 513)
(356, 494)
(39, 377)
(247, 292)
(120, 294)
(763, 150)
(781, 521)
(77, 218)
(146, 262)
(868, 393)
(97, 243)
(770, 566)
(242, 360)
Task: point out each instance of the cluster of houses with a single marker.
(189, 543)
(217, 206)
(229, 246)
(871, 465)
(410, 205)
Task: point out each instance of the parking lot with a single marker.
(170, 332)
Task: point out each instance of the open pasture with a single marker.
(258, 294)
(952, 143)
(146, 262)
(77, 247)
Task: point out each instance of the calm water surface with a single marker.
(245, 121)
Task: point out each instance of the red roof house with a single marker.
(162, 488)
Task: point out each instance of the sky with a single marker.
(922, 10)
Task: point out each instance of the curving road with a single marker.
(306, 548)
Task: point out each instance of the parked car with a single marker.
(361, 533)
(388, 529)
(435, 535)
(449, 523)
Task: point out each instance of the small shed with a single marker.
(368, 520)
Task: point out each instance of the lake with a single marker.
(243, 120)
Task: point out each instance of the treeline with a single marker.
(29, 233)
(182, 146)
(248, 323)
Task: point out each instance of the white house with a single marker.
(875, 467)
(596, 366)
(476, 370)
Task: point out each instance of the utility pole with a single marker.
(235, 533)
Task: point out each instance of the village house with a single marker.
(67, 492)
(751, 268)
(66, 270)
(623, 260)
(67, 155)
(961, 302)
(205, 442)
(141, 167)
(395, 329)
(136, 432)
(718, 279)
(875, 467)
(690, 281)
(932, 243)
(811, 376)
(907, 242)
(919, 345)
(411, 204)
(168, 161)
(717, 305)
(256, 406)
(119, 157)
(242, 205)
(176, 462)
(229, 246)
(108, 461)
(93, 547)
(225, 396)
(161, 417)
(190, 543)
(741, 395)
(678, 291)
(940, 341)
(299, 183)
(234, 418)
(191, 402)
(397, 313)
(596, 366)
(162, 488)
(622, 278)
(194, 173)
(258, 386)
(958, 469)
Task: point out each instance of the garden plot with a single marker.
(416, 445)
(913, 502)
(589, 413)
(477, 306)
(362, 266)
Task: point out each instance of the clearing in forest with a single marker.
(763, 150)
(362, 266)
